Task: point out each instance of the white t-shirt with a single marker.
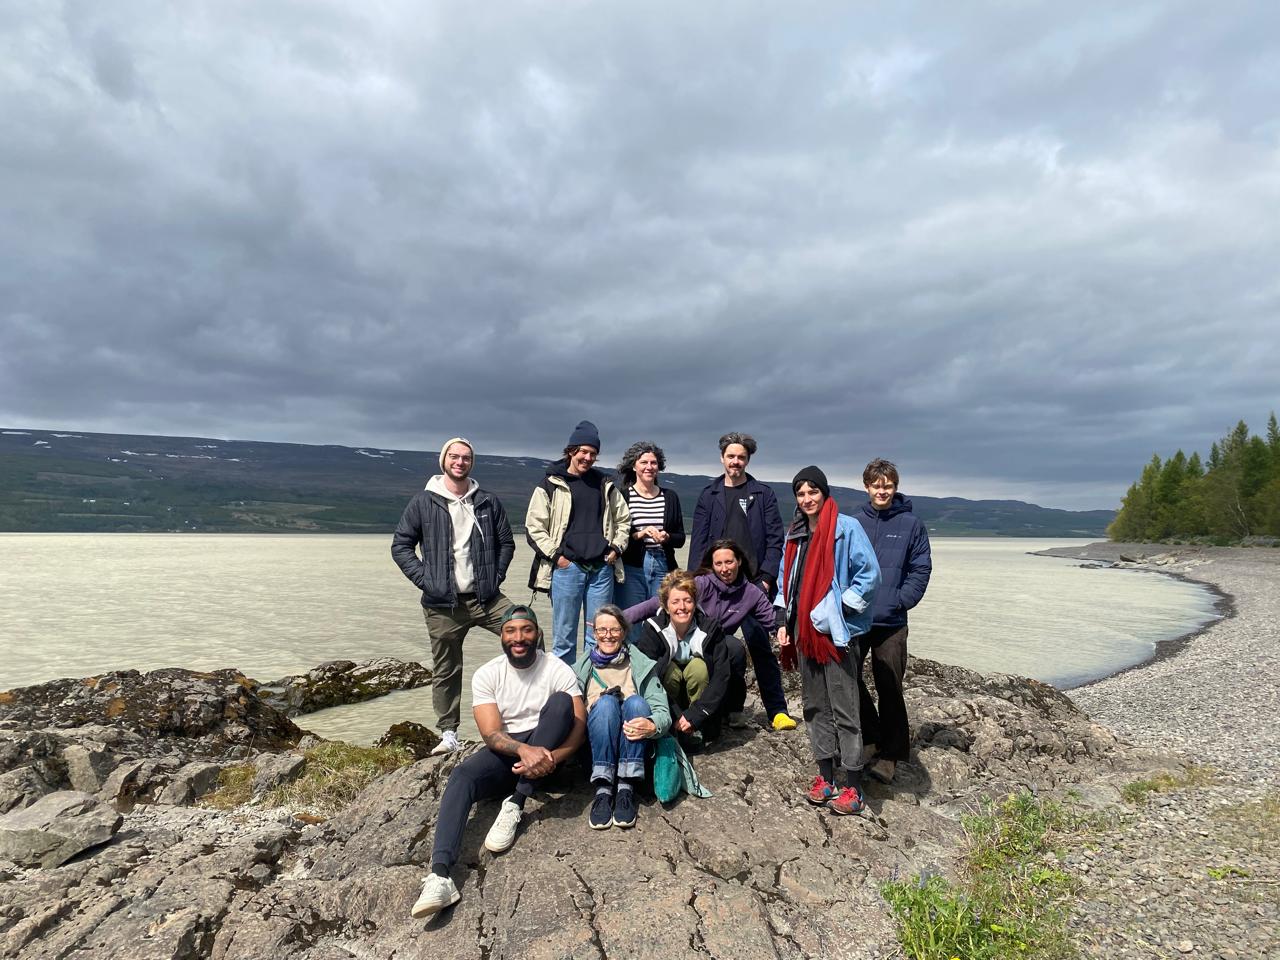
(521, 694)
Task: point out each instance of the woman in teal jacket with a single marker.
(828, 579)
(626, 706)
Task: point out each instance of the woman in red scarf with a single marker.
(829, 575)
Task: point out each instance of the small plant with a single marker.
(1191, 776)
(1227, 872)
(235, 787)
(1011, 897)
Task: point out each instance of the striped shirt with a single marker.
(646, 512)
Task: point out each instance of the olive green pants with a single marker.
(447, 628)
(686, 684)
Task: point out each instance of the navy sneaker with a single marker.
(601, 812)
(624, 809)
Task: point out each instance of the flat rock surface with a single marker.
(56, 828)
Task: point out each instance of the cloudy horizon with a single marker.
(1015, 248)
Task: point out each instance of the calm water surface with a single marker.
(73, 605)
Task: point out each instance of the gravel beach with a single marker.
(1197, 871)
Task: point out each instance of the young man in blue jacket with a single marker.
(901, 543)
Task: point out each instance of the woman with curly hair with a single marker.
(657, 523)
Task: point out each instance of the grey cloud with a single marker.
(1015, 248)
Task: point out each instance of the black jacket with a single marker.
(672, 523)
(426, 521)
(762, 517)
(715, 652)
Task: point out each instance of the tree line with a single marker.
(1232, 495)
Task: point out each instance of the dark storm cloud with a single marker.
(1016, 248)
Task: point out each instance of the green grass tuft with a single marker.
(1191, 776)
(334, 774)
(235, 787)
(1011, 899)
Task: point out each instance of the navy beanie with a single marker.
(814, 475)
(585, 434)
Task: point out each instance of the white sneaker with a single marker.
(503, 832)
(448, 744)
(437, 893)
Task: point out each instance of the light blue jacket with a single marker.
(844, 612)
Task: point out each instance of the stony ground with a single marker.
(752, 872)
(1196, 870)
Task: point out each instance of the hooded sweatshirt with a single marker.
(463, 516)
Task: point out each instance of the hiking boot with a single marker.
(820, 792)
(448, 744)
(437, 893)
(737, 720)
(783, 722)
(849, 801)
(503, 832)
(624, 809)
(601, 817)
(869, 751)
(883, 770)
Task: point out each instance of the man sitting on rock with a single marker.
(528, 708)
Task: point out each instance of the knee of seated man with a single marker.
(635, 706)
(558, 702)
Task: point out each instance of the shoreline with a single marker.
(1211, 695)
(1224, 603)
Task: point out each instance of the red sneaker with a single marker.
(848, 802)
(821, 792)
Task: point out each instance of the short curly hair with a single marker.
(745, 440)
(678, 580)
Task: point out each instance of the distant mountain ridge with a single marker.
(78, 481)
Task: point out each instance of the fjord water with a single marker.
(74, 605)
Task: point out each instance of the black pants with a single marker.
(887, 726)
(487, 775)
(765, 661)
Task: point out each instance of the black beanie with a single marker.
(585, 434)
(814, 475)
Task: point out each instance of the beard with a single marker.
(523, 661)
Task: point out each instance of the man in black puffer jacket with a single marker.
(901, 543)
(466, 546)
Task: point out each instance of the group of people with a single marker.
(665, 649)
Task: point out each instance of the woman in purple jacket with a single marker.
(726, 595)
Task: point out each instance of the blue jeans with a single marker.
(575, 592)
(612, 754)
(642, 582)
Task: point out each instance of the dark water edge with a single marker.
(1101, 555)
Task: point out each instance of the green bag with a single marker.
(668, 779)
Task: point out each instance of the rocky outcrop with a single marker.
(342, 681)
(213, 711)
(131, 737)
(752, 872)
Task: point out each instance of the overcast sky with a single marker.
(1015, 247)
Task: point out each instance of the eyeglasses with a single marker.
(612, 633)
